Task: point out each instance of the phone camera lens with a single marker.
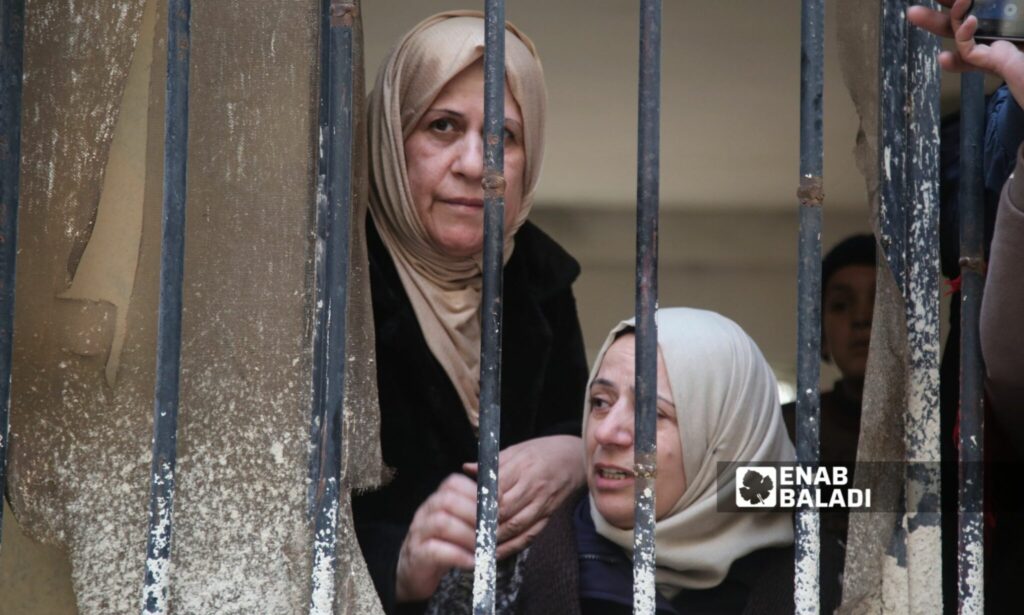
(1010, 10)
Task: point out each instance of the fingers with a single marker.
(958, 9)
(442, 535)
(933, 21)
(451, 510)
(447, 555)
(422, 564)
(953, 63)
(449, 515)
(519, 515)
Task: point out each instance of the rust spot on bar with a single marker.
(811, 192)
(343, 13)
(646, 469)
(974, 263)
(494, 185)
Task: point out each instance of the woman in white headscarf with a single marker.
(717, 403)
(425, 237)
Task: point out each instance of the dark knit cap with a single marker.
(854, 250)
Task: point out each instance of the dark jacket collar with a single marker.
(538, 270)
(605, 572)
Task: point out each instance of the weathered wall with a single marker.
(87, 298)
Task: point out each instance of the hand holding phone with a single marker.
(1002, 56)
(998, 19)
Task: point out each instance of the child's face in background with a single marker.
(848, 304)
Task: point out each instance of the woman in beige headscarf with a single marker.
(717, 403)
(425, 241)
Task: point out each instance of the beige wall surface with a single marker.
(34, 578)
(741, 264)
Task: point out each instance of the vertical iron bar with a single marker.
(322, 218)
(892, 99)
(485, 571)
(647, 172)
(168, 360)
(924, 544)
(334, 198)
(970, 548)
(12, 21)
(811, 196)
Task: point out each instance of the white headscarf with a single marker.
(444, 291)
(727, 408)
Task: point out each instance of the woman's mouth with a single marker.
(611, 477)
(464, 202)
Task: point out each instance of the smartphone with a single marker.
(998, 19)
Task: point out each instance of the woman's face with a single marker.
(609, 438)
(849, 302)
(444, 155)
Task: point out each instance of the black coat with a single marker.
(425, 433)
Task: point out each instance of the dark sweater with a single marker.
(425, 434)
(571, 570)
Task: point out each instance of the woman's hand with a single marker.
(442, 536)
(1001, 58)
(534, 478)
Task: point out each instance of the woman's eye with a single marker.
(509, 135)
(597, 403)
(442, 125)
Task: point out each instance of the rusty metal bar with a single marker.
(646, 428)
(485, 570)
(811, 194)
(924, 549)
(12, 29)
(333, 207)
(168, 361)
(970, 543)
(892, 98)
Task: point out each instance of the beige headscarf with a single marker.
(727, 406)
(444, 291)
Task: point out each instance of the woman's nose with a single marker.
(469, 161)
(616, 428)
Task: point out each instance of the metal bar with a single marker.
(811, 195)
(12, 29)
(647, 175)
(970, 548)
(485, 570)
(168, 360)
(892, 62)
(924, 548)
(319, 260)
(334, 199)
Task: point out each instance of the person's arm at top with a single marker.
(1002, 316)
(1002, 310)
